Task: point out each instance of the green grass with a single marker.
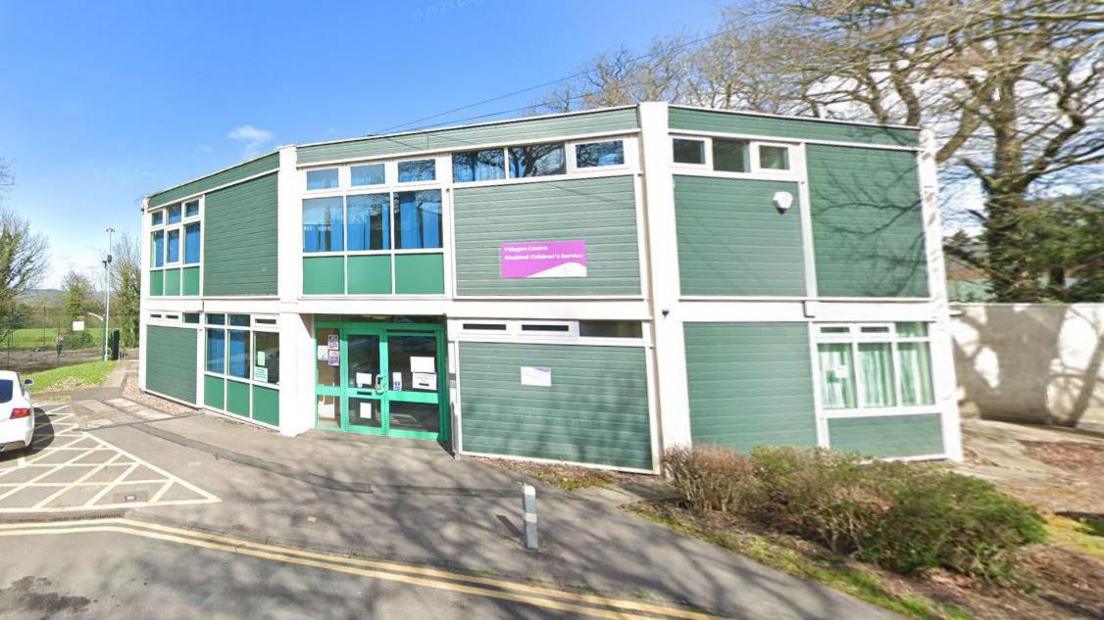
(88, 374)
(29, 338)
(1085, 536)
(823, 567)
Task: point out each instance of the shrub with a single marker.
(904, 517)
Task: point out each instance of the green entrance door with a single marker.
(381, 378)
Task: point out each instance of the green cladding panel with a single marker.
(779, 127)
(266, 405)
(214, 392)
(750, 384)
(868, 231)
(732, 240)
(368, 275)
(171, 361)
(419, 274)
(239, 242)
(325, 275)
(595, 410)
(172, 281)
(600, 211)
(157, 283)
(505, 132)
(888, 436)
(190, 281)
(237, 398)
(244, 170)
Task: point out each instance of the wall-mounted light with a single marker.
(782, 201)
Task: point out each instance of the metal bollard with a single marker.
(529, 516)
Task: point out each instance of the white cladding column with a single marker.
(296, 344)
(943, 370)
(144, 242)
(662, 263)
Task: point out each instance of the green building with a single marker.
(590, 288)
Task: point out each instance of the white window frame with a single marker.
(514, 332)
(164, 228)
(854, 336)
(305, 179)
(252, 329)
(573, 156)
(755, 170)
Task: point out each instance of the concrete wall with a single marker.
(1035, 363)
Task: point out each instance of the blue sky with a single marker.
(104, 102)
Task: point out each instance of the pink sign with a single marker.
(543, 259)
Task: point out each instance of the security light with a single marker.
(782, 201)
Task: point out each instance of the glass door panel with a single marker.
(413, 363)
(328, 409)
(421, 417)
(363, 379)
(328, 357)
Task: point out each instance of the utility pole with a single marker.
(107, 291)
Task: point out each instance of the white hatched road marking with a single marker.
(38, 494)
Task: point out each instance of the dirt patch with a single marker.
(1075, 457)
(566, 477)
(131, 391)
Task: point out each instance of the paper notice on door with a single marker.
(333, 358)
(424, 381)
(323, 353)
(326, 410)
(333, 342)
(261, 358)
(364, 379)
(365, 411)
(536, 375)
(422, 364)
(396, 381)
(260, 373)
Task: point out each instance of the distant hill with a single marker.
(43, 296)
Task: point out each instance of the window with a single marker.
(174, 214)
(266, 357)
(417, 219)
(610, 329)
(599, 154)
(731, 155)
(216, 319)
(216, 350)
(158, 249)
(485, 327)
(322, 179)
(368, 174)
(485, 165)
(545, 327)
(874, 366)
(158, 218)
(537, 160)
(369, 226)
(689, 151)
(191, 318)
(172, 253)
(239, 354)
(323, 227)
(417, 170)
(774, 157)
(191, 244)
(239, 320)
(191, 209)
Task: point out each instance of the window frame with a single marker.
(755, 169)
(165, 227)
(855, 336)
(253, 326)
(573, 167)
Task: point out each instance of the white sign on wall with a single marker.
(536, 375)
(78, 326)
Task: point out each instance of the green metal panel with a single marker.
(237, 398)
(778, 127)
(190, 284)
(241, 171)
(504, 132)
(600, 211)
(868, 231)
(324, 275)
(888, 436)
(239, 239)
(595, 411)
(214, 392)
(732, 240)
(157, 283)
(266, 405)
(172, 282)
(171, 361)
(750, 384)
(419, 274)
(369, 275)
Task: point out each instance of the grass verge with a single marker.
(88, 374)
(1084, 535)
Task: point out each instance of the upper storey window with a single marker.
(322, 179)
(323, 225)
(731, 155)
(689, 151)
(537, 160)
(594, 154)
(417, 170)
(368, 174)
(485, 165)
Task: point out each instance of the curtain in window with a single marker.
(158, 249)
(216, 350)
(837, 375)
(418, 219)
(478, 166)
(174, 214)
(239, 354)
(369, 226)
(876, 362)
(191, 244)
(173, 253)
(323, 226)
(915, 369)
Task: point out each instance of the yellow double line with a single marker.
(548, 598)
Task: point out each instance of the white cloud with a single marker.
(252, 137)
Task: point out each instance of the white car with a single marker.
(17, 418)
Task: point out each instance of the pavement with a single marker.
(344, 498)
